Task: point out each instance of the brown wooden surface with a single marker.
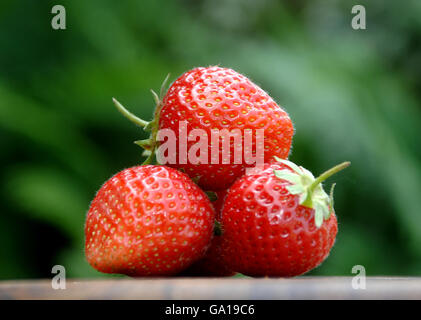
(218, 288)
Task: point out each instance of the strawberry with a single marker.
(212, 263)
(148, 220)
(278, 221)
(212, 99)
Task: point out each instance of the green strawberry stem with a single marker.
(149, 159)
(308, 202)
(149, 145)
(145, 144)
(129, 115)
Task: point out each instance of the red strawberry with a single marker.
(212, 263)
(217, 98)
(148, 220)
(278, 221)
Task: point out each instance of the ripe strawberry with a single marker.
(148, 220)
(217, 98)
(212, 263)
(278, 221)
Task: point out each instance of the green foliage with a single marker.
(353, 95)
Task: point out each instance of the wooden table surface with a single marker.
(216, 288)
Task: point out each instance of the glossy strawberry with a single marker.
(148, 220)
(212, 263)
(216, 98)
(278, 221)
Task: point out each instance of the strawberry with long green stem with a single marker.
(210, 99)
(279, 221)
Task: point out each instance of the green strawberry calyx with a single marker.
(149, 145)
(310, 189)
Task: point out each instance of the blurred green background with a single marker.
(353, 95)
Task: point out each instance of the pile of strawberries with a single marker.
(215, 216)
